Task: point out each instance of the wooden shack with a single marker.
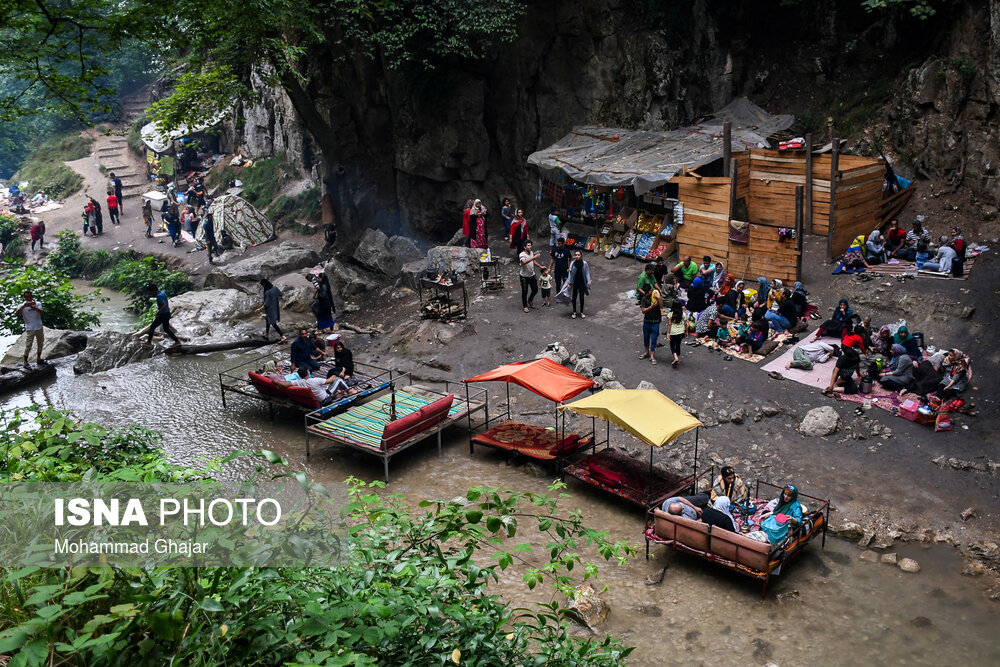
(760, 195)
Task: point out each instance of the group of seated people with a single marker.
(895, 360)
(307, 350)
(777, 518)
(911, 246)
(717, 307)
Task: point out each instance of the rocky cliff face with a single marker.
(944, 117)
(412, 148)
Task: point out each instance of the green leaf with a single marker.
(211, 605)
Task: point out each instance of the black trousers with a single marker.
(526, 284)
(161, 319)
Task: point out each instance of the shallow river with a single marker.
(827, 608)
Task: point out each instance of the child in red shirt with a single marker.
(113, 208)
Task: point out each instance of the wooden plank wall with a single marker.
(774, 176)
(706, 231)
(859, 202)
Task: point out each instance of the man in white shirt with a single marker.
(31, 312)
(528, 260)
(318, 386)
(804, 356)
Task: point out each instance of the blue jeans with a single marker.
(650, 332)
(311, 364)
(778, 323)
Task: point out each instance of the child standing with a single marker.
(545, 282)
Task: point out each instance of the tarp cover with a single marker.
(159, 141)
(645, 413)
(542, 376)
(646, 160)
(246, 225)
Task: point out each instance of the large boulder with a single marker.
(246, 273)
(58, 343)
(211, 315)
(461, 260)
(404, 248)
(373, 253)
(820, 421)
(345, 281)
(110, 349)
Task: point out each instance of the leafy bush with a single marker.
(132, 276)
(67, 257)
(62, 307)
(11, 235)
(44, 168)
(413, 589)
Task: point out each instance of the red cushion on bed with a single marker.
(606, 476)
(568, 444)
(265, 385)
(438, 410)
(399, 430)
(301, 395)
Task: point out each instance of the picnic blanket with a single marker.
(903, 268)
(879, 397)
(779, 338)
(818, 377)
(364, 423)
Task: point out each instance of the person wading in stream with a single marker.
(271, 309)
(162, 316)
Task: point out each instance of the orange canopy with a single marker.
(542, 376)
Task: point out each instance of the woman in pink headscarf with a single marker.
(477, 226)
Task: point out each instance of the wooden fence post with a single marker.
(834, 159)
(809, 184)
(798, 231)
(727, 148)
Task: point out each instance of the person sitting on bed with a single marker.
(325, 395)
(719, 515)
(304, 351)
(343, 361)
(729, 484)
(780, 515)
(689, 507)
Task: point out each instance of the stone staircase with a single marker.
(111, 155)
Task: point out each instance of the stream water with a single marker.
(828, 607)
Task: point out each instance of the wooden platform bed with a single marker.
(629, 478)
(243, 379)
(736, 551)
(394, 422)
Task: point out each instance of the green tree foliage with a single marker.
(413, 588)
(10, 235)
(63, 308)
(132, 275)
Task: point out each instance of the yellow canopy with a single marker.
(645, 413)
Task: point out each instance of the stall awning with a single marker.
(645, 159)
(645, 413)
(159, 140)
(542, 376)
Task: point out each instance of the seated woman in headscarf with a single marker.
(840, 321)
(729, 484)
(800, 300)
(726, 286)
(956, 380)
(763, 289)
(904, 338)
(882, 343)
(928, 373)
(780, 515)
(698, 295)
(718, 277)
(854, 258)
(734, 295)
(875, 248)
(899, 375)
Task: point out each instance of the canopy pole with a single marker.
(507, 384)
(727, 147)
(649, 489)
(696, 449)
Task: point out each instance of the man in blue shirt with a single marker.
(162, 316)
(303, 351)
